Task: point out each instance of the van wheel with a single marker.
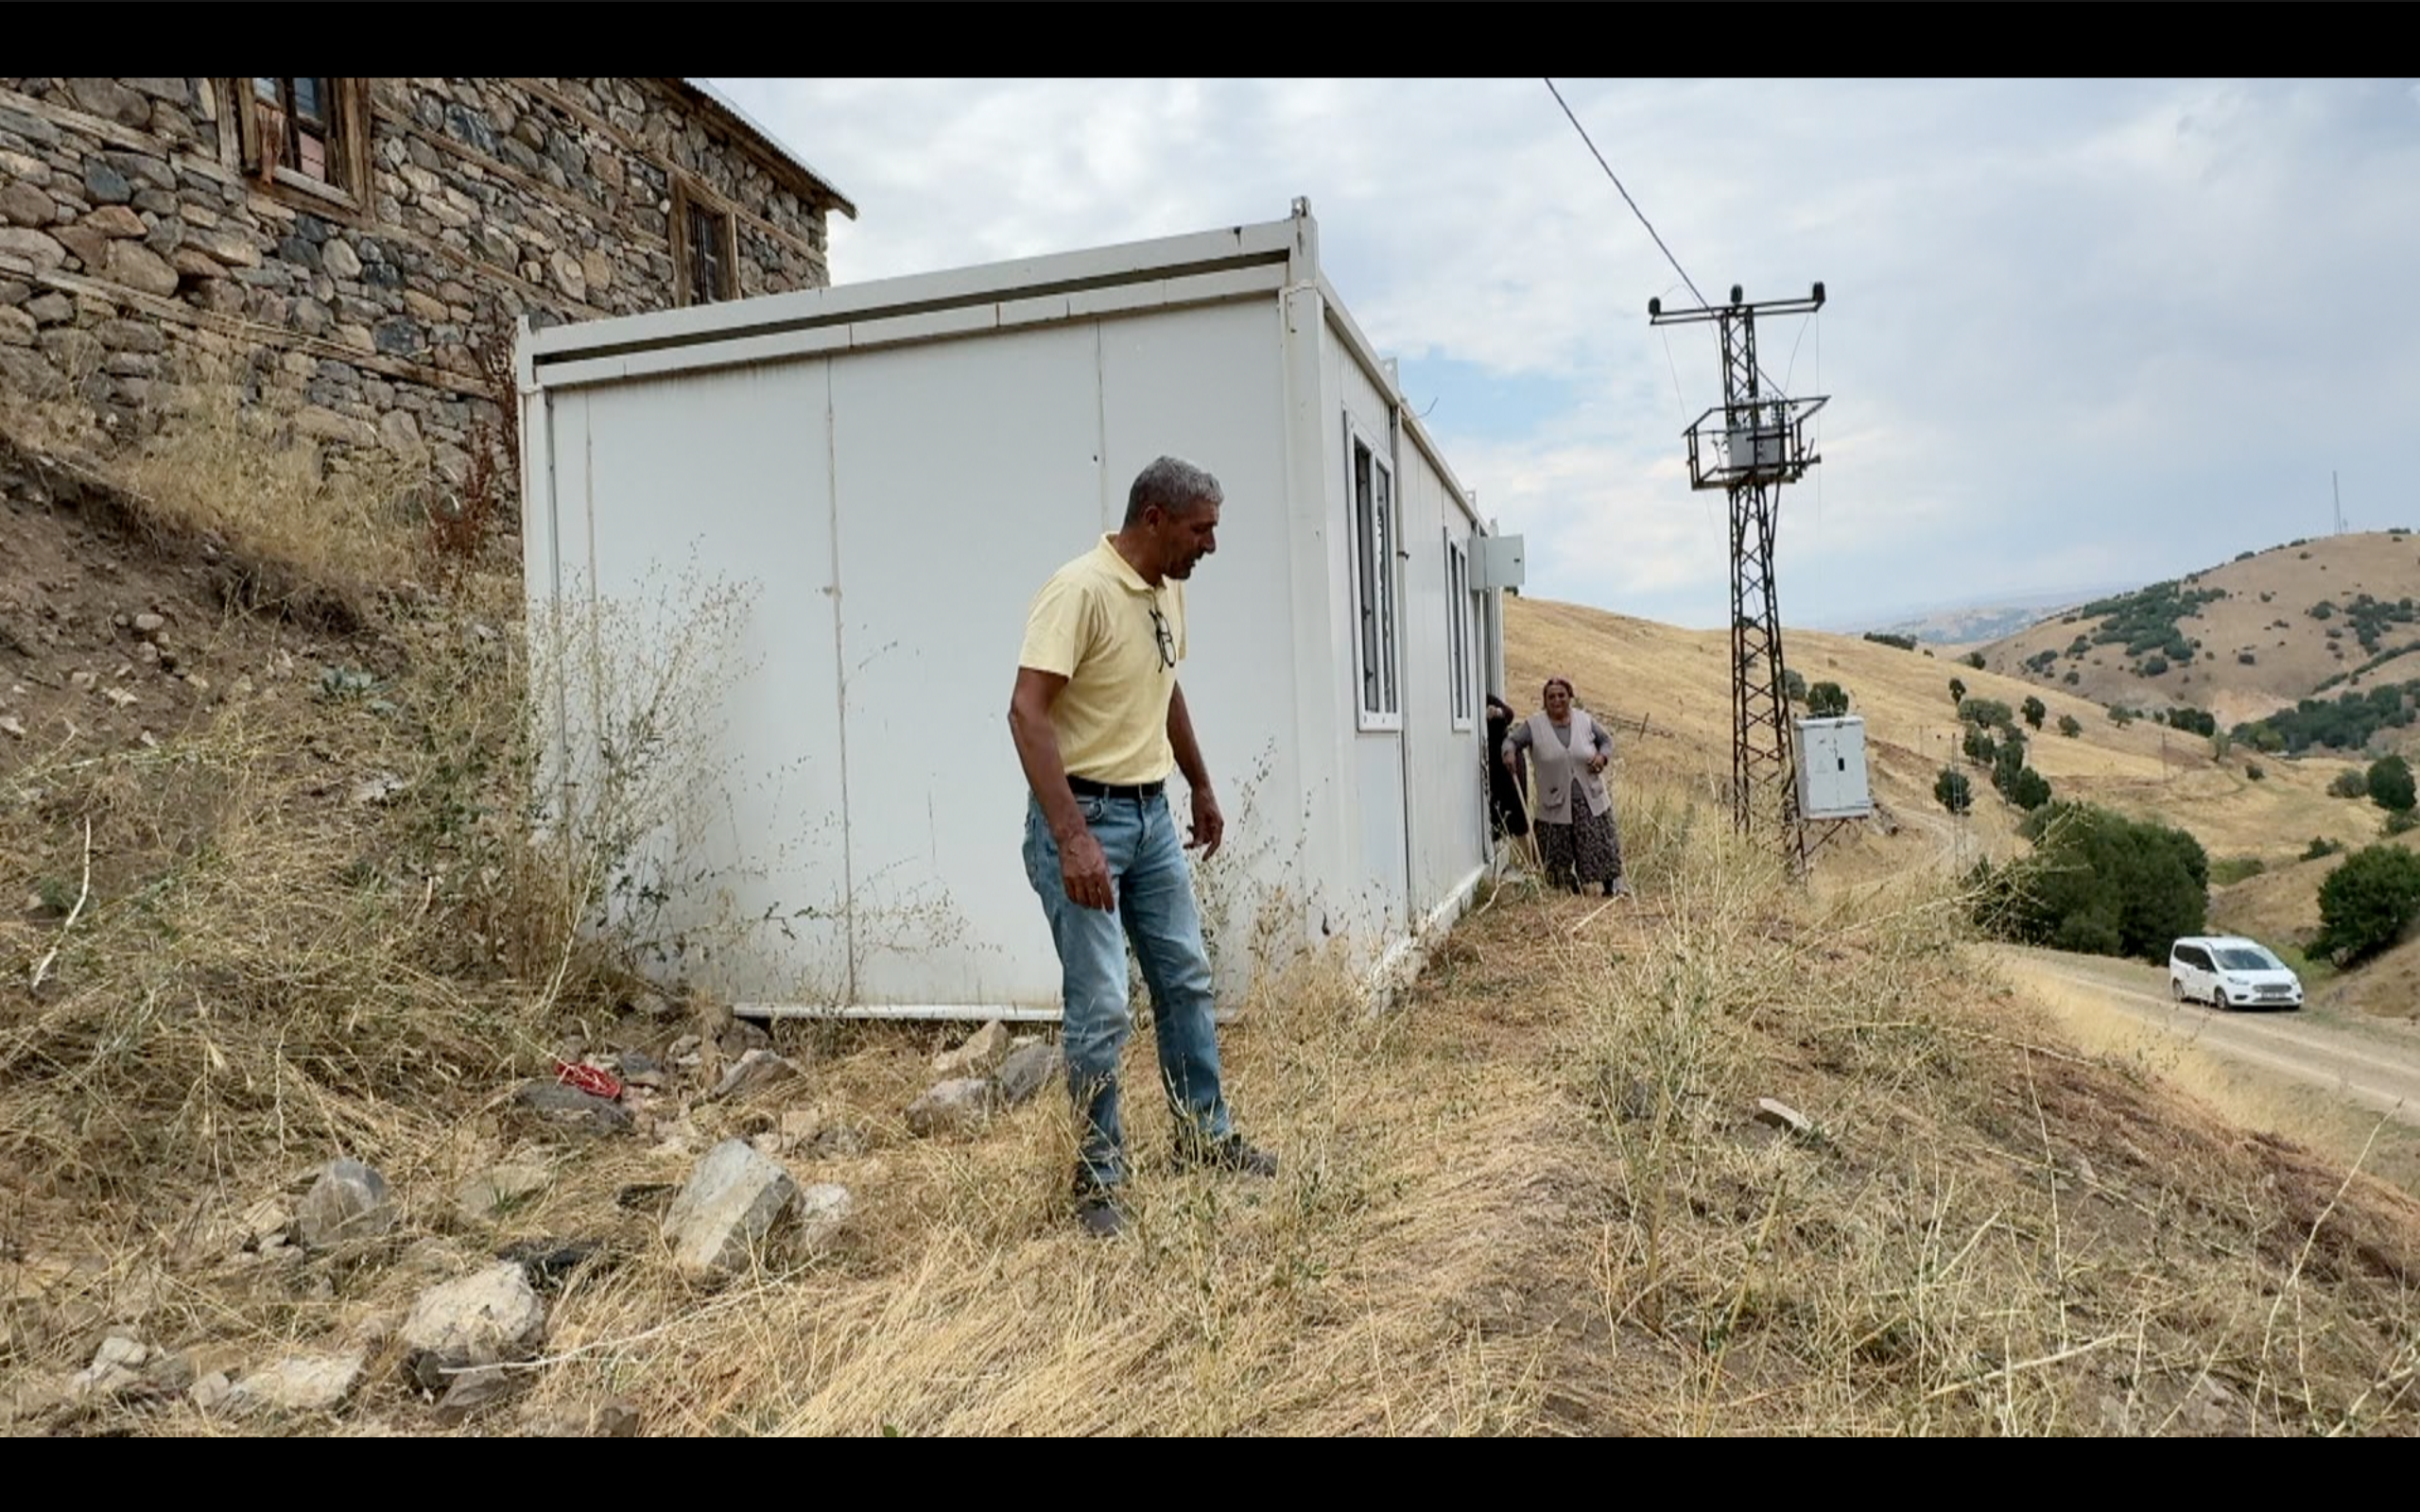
(2220, 1001)
(2176, 990)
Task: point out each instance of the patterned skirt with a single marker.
(1586, 853)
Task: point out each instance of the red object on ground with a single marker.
(588, 1079)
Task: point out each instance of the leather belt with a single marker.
(1086, 787)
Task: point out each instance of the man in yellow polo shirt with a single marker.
(1098, 721)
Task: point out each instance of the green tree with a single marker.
(2390, 785)
(2367, 904)
(1975, 660)
(1827, 700)
(1956, 691)
(2036, 711)
(2099, 883)
(1988, 712)
(2069, 726)
(2030, 791)
(1978, 746)
(1954, 793)
(1793, 687)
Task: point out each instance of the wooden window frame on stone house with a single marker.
(687, 195)
(242, 144)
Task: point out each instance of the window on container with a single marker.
(1373, 585)
(703, 245)
(1462, 656)
(300, 131)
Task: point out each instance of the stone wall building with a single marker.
(350, 249)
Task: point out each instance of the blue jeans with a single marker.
(1156, 911)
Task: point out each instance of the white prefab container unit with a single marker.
(886, 474)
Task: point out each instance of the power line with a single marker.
(1625, 194)
(1691, 283)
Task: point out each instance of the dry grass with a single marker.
(1535, 1200)
(1676, 680)
(2290, 659)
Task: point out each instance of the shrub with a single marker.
(1793, 687)
(2366, 903)
(2349, 784)
(2255, 771)
(2319, 848)
(2030, 791)
(1954, 791)
(1956, 691)
(2153, 666)
(2035, 711)
(2389, 784)
(2099, 883)
(1827, 700)
(1988, 712)
(1975, 660)
(1904, 642)
(2233, 869)
(2071, 726)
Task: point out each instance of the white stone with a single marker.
(304, 1382)
(983, 1049)
(486, 1319)
(733, 1201)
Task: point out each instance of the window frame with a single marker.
(1373, 545)
(242, 137)
(688, 197)
(1462, 611)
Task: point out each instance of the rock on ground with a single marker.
(571, 1109)
(348, 1201)
(486, 1318)
(611, 1418)
(983, 1049)
(733, 1201)
(757, 1067)
(303, 1382)
(954, 1107)
(1027, 1070)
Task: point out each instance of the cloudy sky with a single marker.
(2078, 333)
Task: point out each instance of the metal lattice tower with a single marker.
(1762, 445)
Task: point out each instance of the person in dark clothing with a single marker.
(1506, 785)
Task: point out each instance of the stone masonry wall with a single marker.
(132, 251)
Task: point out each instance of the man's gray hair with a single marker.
(1173, 484)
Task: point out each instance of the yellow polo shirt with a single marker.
(1093, 624)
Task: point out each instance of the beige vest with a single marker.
(1560, 770)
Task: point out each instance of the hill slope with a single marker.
(2187, 641)
(1674, 680)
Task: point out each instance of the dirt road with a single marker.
(2374, 1063)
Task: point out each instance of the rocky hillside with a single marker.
(2316, 618)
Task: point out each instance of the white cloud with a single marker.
(2108, 328)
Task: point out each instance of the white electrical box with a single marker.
(1831, 769)
(1499, 563)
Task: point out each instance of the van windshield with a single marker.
(2239, 958)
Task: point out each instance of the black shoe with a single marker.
(1103, 1213)
(1229, 1154)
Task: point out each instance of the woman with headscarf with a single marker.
(1578, 840)
(1506, 782)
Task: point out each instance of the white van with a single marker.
(2229, 972)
